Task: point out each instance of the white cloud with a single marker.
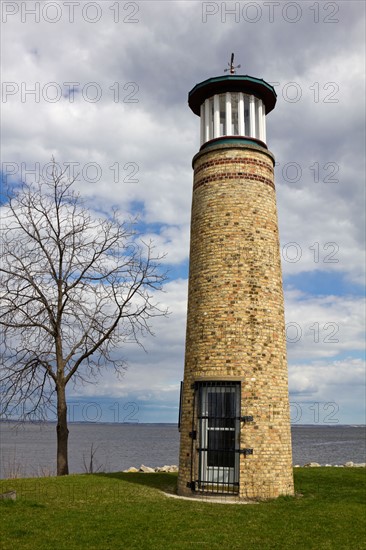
(326, 392)
(323, 326)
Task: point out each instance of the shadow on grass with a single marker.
(166, 482)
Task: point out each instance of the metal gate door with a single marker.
(218, 426)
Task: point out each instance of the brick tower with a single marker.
(234, 407)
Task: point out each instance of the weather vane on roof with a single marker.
(231, 65)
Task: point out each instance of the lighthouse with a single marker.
(234, 420)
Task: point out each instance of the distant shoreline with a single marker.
(86, 422)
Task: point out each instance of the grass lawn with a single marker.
(123, 511)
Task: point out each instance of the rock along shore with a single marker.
(346, 465)
(148, 470)
(173, 468)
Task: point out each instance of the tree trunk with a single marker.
(62, 432)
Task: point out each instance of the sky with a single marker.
(103, 87)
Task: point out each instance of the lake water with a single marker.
(30, 449)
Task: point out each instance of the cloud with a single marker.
(326, 392)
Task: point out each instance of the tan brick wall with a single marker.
(235, 321)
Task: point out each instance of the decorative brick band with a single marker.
(233, 176)
(235, 161)
(232, 147)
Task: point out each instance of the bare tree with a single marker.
(73, 289)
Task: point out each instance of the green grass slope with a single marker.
(127, 511)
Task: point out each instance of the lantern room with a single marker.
(232, 106)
